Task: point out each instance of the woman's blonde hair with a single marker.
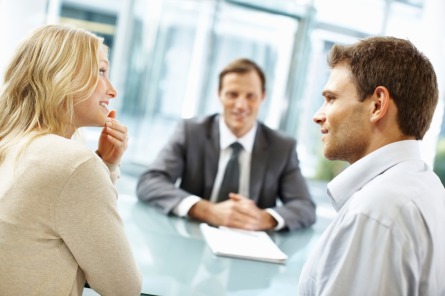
(53, 68)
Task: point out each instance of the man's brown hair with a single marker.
(242, 66)
(400, 67)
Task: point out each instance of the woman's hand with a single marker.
(113, 140)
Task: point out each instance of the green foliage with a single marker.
(329, 169)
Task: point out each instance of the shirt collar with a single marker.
(354, 177)
(227, 137)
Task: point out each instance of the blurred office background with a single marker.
(166, 56)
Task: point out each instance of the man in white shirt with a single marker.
(389, 235)
(199, 151)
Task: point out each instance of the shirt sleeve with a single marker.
(280, 221)
(89, 224)
(363, 256)
(185, 205)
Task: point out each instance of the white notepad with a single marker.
(253, 245)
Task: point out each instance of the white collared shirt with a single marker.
(227, 138)
(388, 237)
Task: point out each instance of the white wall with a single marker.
(431, 41)
(17, 19)
(429, 38)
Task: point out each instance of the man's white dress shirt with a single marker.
(389, 236)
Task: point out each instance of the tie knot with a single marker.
(236, 147)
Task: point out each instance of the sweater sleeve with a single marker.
(88, 222)
(115, 172)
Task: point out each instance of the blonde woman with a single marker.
(59, 224)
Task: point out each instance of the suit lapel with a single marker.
(258, 163)
(211, 157)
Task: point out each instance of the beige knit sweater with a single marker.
(59, 224)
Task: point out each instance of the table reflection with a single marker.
(175, 260)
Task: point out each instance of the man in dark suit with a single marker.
(200, 150)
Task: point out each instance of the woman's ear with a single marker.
(380, 103)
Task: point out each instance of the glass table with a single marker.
(175, 260)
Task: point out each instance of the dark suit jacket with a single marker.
(192, 154)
